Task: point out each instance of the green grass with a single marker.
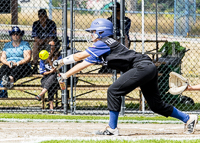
(121, 141)
(82, 117)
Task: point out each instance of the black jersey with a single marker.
(120, 57)
(127, 25)
(44, 32)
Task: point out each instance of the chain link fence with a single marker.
(28, 27)
(165, 30)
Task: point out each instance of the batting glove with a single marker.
(58, 64)
(63, 76)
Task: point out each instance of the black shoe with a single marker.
(6, 82)
(38, 97)
(10, 85)
(51, 111)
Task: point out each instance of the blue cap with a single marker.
(16, 29)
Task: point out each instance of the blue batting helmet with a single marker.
(101, 25)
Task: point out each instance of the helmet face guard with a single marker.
(91, 37)
(103, 28)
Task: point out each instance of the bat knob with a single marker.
(55, 64)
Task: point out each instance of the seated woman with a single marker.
(15, 57)
(49, 81)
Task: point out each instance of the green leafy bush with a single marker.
(167, 48)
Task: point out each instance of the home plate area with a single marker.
(40, 131)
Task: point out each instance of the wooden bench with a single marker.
(90, 87)
(86, 88)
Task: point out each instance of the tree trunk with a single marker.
(14, 12)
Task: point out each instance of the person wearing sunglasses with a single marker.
(15, 57)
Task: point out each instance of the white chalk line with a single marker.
(141, 128)
(46, 138)
(37, 128)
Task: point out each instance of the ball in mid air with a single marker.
(44, 54)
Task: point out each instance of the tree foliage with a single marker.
(150, 5)
(56, 3)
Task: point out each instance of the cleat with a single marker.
(108, 131)
(191, 124)
(10, 85)
(5, 80)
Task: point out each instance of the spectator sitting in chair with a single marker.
(15, 57)
(49, 81)
(43, 31)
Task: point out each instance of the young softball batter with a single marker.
(139, 71)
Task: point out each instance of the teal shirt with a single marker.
(15, 54)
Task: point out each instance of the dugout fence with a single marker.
(153, 25)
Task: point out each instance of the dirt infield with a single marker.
(35, 132)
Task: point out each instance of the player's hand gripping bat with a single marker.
(60, 80)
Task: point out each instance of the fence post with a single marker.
(71, 37)
(50, 9)
(122, 13)
(114, 20)
(64, 53)
(175, 15)
(143, 99)
(157, 30)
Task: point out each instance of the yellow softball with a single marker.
(44, 54)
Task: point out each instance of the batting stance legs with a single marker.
(144, 75)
